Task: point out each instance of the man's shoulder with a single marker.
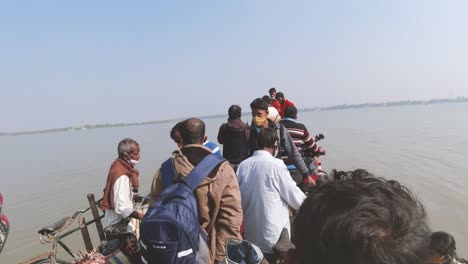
(294, 125)
(279, 163)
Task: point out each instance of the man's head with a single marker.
(280, 97)
(356, 218)
(267, 139)
(267, 99)
(259, 109)
(290, 112)
(272, 92)
(192, 131)
(442, 248)
(234, 112)
(128, 149)
(175, 135)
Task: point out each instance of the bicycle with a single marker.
(53, 234)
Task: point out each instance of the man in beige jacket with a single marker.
(218, 196)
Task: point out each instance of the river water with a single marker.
(46, 176)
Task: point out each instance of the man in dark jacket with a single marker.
(234, 135)
(260, 121)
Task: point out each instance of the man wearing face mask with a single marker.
(122, 182)
(267, 191)
(259, 122)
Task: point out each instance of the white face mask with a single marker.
(133, 162)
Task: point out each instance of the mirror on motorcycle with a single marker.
(242, 252)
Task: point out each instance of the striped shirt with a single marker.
(300, 136)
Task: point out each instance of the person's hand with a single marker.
(309, 181)
(137, 198)
(319, 137)
(136, 215)
(321, 150)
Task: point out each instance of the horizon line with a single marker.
(305, 109)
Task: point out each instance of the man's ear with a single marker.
(205, 138)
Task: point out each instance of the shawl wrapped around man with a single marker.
(118, 168)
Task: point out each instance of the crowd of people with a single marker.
(351, 217)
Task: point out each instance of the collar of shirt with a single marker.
(262, 152)
(289, 119)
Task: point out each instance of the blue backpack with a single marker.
(170, 231)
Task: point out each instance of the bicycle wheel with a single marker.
(48, 260)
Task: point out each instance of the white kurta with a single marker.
(267, 190)
(123, 204)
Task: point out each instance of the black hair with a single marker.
(266, 98)
(443, 243)
(259, 103)
(175, 133)
(357, 218)
(272, 90)
(290, 112)
(192, 131)
(267, 138)
(279, 95)
(234, 112)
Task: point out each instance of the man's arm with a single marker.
(221, 134)
(156, 188)
(309, 141)
(287, 188)
(122, 198)
(230, 211)
(293, 154)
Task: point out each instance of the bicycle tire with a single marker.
(48, 260)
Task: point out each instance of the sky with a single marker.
(71, 63)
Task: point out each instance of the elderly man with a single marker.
(218, 196)
(356, 219)
(267, 193)
(117, 201)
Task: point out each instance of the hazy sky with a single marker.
(65, 63)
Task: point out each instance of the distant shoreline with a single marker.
(327, 108)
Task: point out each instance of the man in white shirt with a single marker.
(267, 190)
(117, 201)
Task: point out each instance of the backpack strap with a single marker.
(196, 176)
(168, 173)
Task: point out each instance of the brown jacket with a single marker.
(218, 198)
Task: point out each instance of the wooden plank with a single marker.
(97, 218)
(85, 234)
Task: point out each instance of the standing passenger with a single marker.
(260, 121)
(267, 192)
(117, 201)
(273, 113)
(234, 135)
(284, 103)
(175, 135)
(273, 102)
(218, 196)
(305, 143)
